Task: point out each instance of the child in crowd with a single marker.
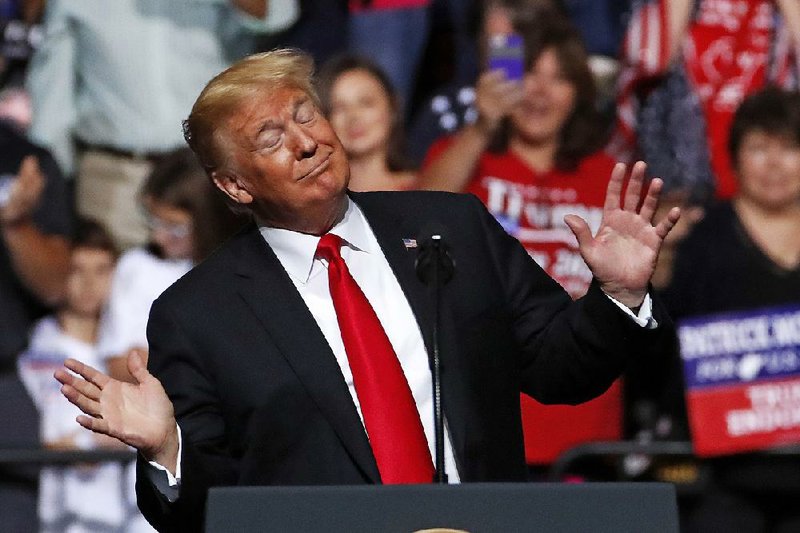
(85, 497)
(187, 219)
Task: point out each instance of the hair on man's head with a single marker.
(286, 67)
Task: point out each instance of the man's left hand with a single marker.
(622, 255)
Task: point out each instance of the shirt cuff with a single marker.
(644, 317)
(162, 479)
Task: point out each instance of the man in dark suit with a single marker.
(252, 349)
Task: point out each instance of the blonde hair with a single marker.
(286, 67)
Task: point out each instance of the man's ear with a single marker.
(232, 185)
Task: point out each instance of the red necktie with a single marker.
(390, 414)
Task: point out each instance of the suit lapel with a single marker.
(270, 294)
(391, 228)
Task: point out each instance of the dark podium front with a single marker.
(476, 508)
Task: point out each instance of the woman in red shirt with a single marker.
(532, 154)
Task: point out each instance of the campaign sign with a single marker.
(742, 375)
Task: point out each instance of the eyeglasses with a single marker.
(172, 229)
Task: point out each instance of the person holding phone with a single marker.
(532, 154)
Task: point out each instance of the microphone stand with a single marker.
(435, 268)
(436, 370)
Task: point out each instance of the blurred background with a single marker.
(526, 104)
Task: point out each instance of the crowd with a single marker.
(102, 206)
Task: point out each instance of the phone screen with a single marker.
(506, 53)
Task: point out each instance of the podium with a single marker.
(475, 508)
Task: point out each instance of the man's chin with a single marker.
(329, 183)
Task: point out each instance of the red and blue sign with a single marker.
(742, 375)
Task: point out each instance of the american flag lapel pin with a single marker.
(410, 243)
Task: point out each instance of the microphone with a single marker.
(434, 264)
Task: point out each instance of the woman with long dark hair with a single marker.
(364, 110)
(532, 154)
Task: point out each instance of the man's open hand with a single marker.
(622, 255)
(139, 414)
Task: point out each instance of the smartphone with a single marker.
(507, 53)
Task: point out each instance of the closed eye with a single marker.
(306, 113)
(272, 140)
(269, 138)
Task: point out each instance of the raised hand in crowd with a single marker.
(24, 193)
(40, 260)
(495, 98)
(791, 14)
(679, 13)
(622, 254)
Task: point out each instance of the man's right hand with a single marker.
(139, 414)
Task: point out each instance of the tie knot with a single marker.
(329, 247)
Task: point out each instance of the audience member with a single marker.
(393, 33)
(320, 28)
(531, 157)
(744, 255)
(364, 111)
(35, 222)
(600, 23)
(116, 78)
(452, 57)
(187, 219)
(532, 154)
(451, 104)
(687, 65)
(20, 35)
(89, 497)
